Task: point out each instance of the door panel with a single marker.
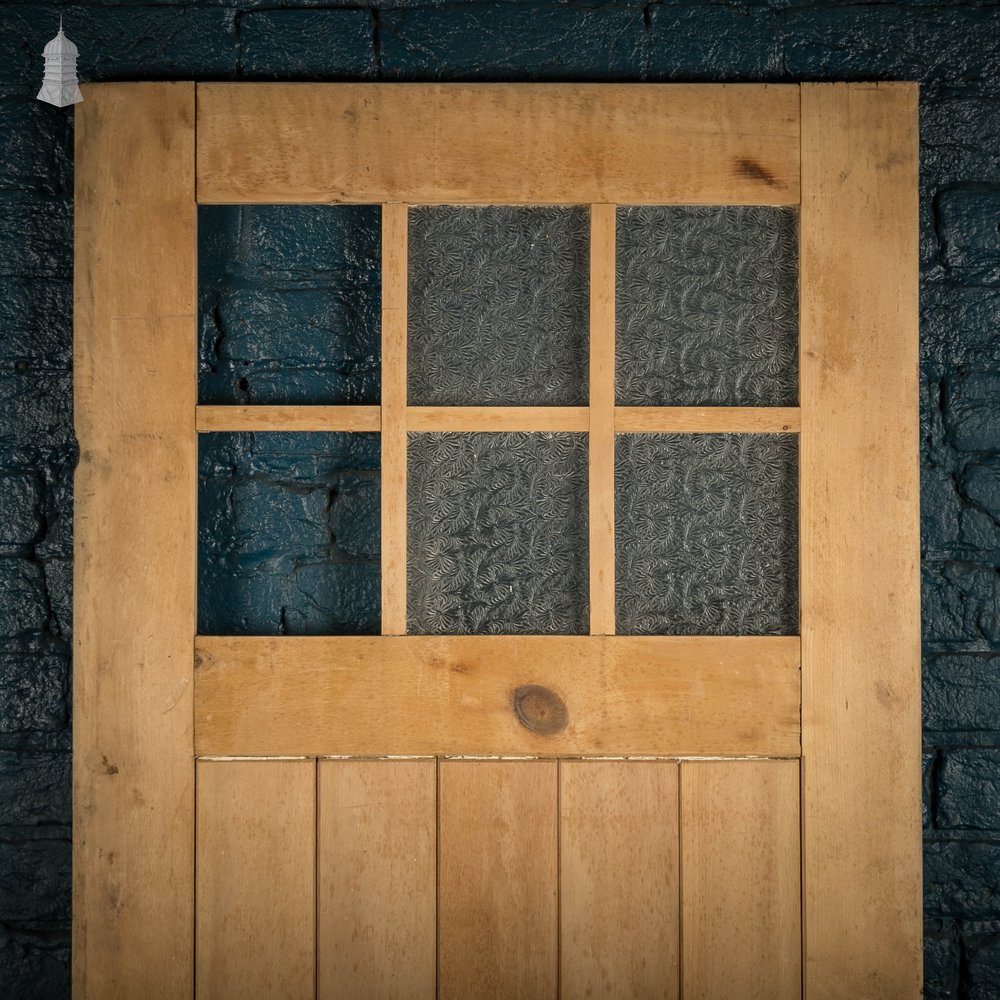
(377, 880)
(498, 874)
(618, 879)
(256, 879)
(740, 907)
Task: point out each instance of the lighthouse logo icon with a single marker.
(59, 86)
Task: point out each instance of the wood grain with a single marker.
(416, 695)
(601, 495)
(860, 541)
(706, 420)
(619, 879)
(134, 542)
(498, 143)
(377, 858)
(740, 906)
(288, 418)
(256, 860)
(393, 470)
(497, 418)
(497, 916)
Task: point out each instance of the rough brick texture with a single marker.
(953, 49)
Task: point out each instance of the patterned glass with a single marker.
(707, 306)
(706, 530)
(498, 306)
(497, 533)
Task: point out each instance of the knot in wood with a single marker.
(540, 710)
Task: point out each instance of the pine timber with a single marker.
(860, 542)
(416, 695)
(542, 144)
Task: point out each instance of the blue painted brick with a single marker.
(23, 601)
(982, 952)
(940, 44)
(20, 510)
(35, 147)
(35, 788)
(34, 875)
(972, 411)
(715, 42)
(961, 694)
(960, 327)
(36, 323)
(969, 230)
(960, 880)
(960, 602)
(498, 41)
(34, 964)
(307, 45)
(44, 244)
(968, 790)
(942, 960)
(36, 410)
(33, 690)
(288, 534)
(289, 300)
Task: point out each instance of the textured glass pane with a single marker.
(706, 528)
(289, 299)
(707, 306)
(288, 534)
(497, 533)
(498, 306)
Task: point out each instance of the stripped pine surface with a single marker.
(393, 440)
(256, 857)
(495, 144)
(135, 542)
(601, 496)
(497, 878)
(377, 880)
(485, 695)
(741, 905)
(618, 879)
(860, 541)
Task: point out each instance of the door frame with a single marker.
(147, 154)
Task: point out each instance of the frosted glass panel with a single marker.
(498, 306)
(706, 529)
(707, 306)
(497, 533)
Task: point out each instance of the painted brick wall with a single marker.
(953, 49)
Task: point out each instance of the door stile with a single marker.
(135, 542)
(859, 579)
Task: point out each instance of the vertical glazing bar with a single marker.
(394, 285)
(602, 419)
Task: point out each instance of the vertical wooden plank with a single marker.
(740, 863)
(256, 926)
(394, 291)
(602, 419)
(859, 535)
(134, 548)
(618, 879)
(497, 880)
(377, 879)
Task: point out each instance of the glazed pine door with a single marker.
(574, 807)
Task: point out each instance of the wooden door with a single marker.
(519, 815)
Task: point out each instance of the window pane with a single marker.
(707, 306)
(498, 306)
(288, 534)
(289, 301)
(497, 533)
(706, 529)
